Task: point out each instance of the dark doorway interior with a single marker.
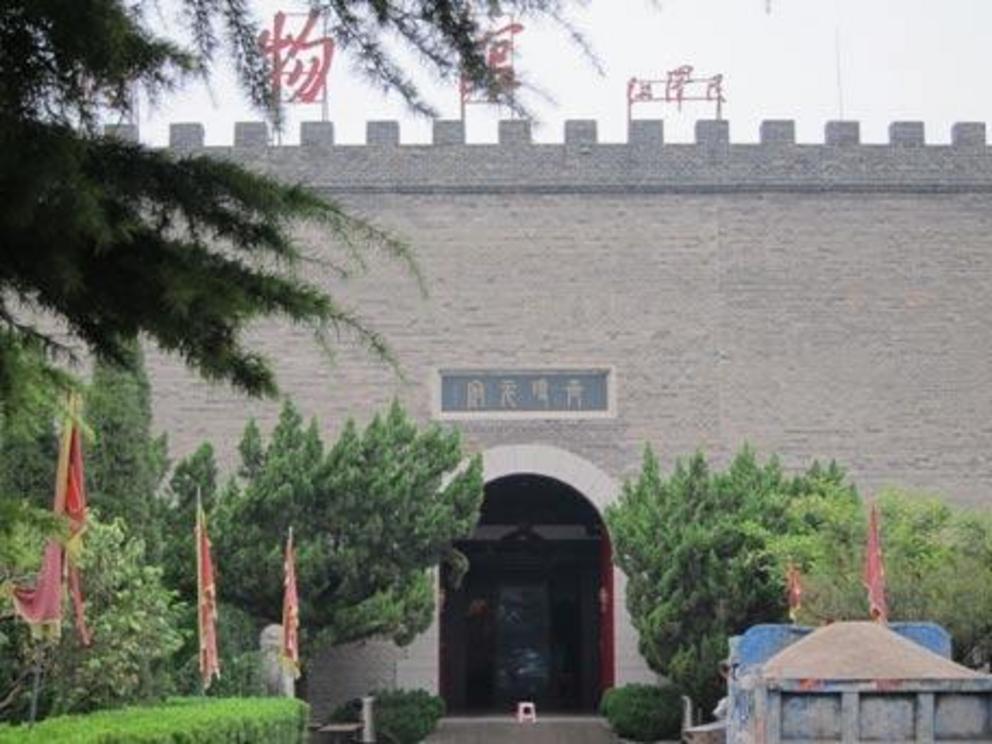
(526, 621)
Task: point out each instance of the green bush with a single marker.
(937, 559)
(643, 712)
(189, 720)
(135, 624)
(401, 716)
(696, 546)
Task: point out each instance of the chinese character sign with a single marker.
(497, 50)
(300, 58)
(676, 82)
(514, 391)
(679, 85)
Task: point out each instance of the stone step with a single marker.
(505, 730)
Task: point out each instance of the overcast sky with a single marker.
(899, 59)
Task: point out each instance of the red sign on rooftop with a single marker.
(497, 50)
(678, 86)
(300, 56)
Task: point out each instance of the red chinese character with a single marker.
(497, 50)
(299, 64)
(500, 46)
(639, 90)
(676, 82)
(714, 89)
(680, 86)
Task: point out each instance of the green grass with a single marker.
(179, 721)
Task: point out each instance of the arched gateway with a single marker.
(540, 614)
(533, 617)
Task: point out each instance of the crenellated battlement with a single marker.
(645, 163)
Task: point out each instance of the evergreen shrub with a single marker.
(401, 716)
(697, 544)
(190, 720)
(643, 712)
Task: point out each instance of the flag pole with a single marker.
(206, 599)
(199, 591)
(35, 691)
(289, 647)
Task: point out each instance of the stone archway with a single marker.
(552, 462)
(421, 666)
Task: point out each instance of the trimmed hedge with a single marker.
(643, 712)
(188, 720)
(401, 716)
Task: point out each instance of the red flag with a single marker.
(206, 601)
(42, 605)
(795, 591)
(75, 491)
(75, 509)
(290, 652)
(874, 575)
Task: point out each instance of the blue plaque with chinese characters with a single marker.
(497, 391)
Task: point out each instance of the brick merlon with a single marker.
(645, 163)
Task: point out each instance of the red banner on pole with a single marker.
(206, 601)
(874, 574)
(498, 49)
(76, 509)
(290, 651)
(795, 591)
(42, 604)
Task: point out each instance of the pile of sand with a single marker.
(861, 651)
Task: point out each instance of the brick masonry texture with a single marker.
(816, 301)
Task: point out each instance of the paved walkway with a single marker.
(504, 730)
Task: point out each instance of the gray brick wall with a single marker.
(812, 325)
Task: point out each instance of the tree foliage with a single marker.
(242, 671)
(27, 464)
(115, 241)
(107, 242)
(28, 456)
(640, 712)
(133, 619)
(125, 463)
(401, 716)
(23, 530)
(696, 549)
(443, 34)
(31, 389)
(370, 515)
(194, 476)
(937, 564)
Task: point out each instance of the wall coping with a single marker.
(581, 164)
